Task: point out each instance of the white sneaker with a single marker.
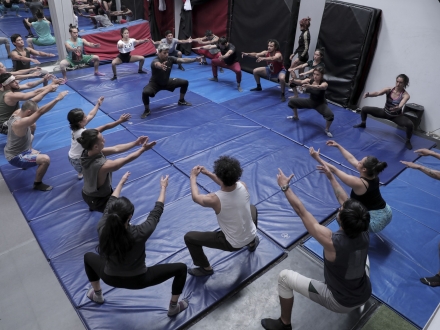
(328, 133)
(80, 176)
(99, 299)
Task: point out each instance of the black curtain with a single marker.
(154, 30)
(348, 33)
(291, 34)
(136, 6)
(256, 21)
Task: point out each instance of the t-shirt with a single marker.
(42, 28)
(160, 76)
(76, 148)
(172, 45)
(311, 66)
(233, 57)
(103, 20)
(128, 46)
(34, 7)
(316, 94)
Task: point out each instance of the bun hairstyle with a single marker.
(71, 27)
(208, 33)
(74, 117)
(88, 138)
(123, 30)
(115, 240)
(405, 79)
(39, 14)
(374, 166)
(321, 51)
(354, 218)
(305, 22)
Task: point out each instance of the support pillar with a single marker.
(61, 12)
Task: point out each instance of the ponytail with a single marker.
(374, 166)
(88, 138)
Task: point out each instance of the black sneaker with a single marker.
(114, 78)
(146, 114)
(213, 79)
(183, 102)
(253, 246)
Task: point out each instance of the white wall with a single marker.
(409, 40)
(177, 8)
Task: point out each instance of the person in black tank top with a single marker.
(303, 44)
(316, 87)
(396, 99)
(364, 188)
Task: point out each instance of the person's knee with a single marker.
(185, 83)
(182, 267)
(188, 238)
(43, 160)
(329, 117)
(284, 289)
(179, 54)
(95, 58)
(29, 41)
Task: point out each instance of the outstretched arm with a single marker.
(427, 152)
(93, 112)
(203, 200)
(211, 175)
(123, 118)
(120, 148)
(256, 55)
(374, 94)
(340, 193)
(428, 171)
(321, 233)
(188, 60)
(118, 188)
(347, 155)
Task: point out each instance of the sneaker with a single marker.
(253, 246)
(300, 90)
(256, 89)
(99, 299)
(361, 125)
(213, 79)
(114, 78)
(272, 324)
(328, 133)
(99, 74)
(292, 118)
(80, 176)
(200, 271)
(239, 88)
(290, 90)
(145, 114)
(183, 102)
(142, 72)
(18, 15)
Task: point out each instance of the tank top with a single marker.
(235, 218)
(127, 46)
(75, 56)
(372, 198)
(317, 95)
(20, 65)
(303, 44)
(274, 66)
(91, 166)
(76, 148)
(391, 103)
(17, 144)
(346, 277)
(6, 110)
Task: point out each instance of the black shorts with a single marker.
(303, 59)
(125, 58)
(173, 83)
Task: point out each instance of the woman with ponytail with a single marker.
(364, 188)
(121, 259)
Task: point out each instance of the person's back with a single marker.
(6, 110)
(235, 218)
(346, 277)
(42, 28)
(91, 166)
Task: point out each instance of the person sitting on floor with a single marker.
(100, 20)
(97, 169)
(121, 259)
(77, 121)
(236, 217)
(18, 149)
(346, 268)
(126, 14)
(42, 28)
(172, 43)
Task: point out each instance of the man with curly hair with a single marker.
(236, 217)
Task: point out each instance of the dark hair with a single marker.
(305, 22)
(167, 32)
(208, 33)
(4, 76)
(74, 117)
(88, 138)
(71, 27)
(321, 51)
(123, 30)
(101, 11)
(320, 69)
(275, 42)
(115, 240)
(228, 170)
(354, 218)
(15, 36)
(29, 105)
(123, 7)
(39, 14)
(222, 41)
(373, 166)
(405, 79)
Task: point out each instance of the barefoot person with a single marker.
(274, 68)
(121, 259)
(236, 217)
(18, 149)
(42, 28)
(75, 56)
(316, 86)
(160, 78)
(125, 46)
(346, 268)
(396, 98)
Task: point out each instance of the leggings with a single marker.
(206, 53)
(234, 67)
(321, 107)
(152, 88)
(400, 120)
(94, 266)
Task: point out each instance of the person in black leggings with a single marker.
(396, 98)
(316, 86)
(121, 259)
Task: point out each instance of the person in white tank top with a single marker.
(236, 217)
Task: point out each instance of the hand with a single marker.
(163, 66)
(164, 181)
(313, 153)
(61, 95)
(50, 55)
(259, 59)
(196, 171)
(410, 165)
(424, 152)
(324, 169)
(100, 100)
(291, 56)
(282, 179)
(57, 81)
(291, 69)
(147, 146)
(199, 58)
(243, 54)
(332, 143)
(366, 95)
(141, 140)
(53, 87)
(33, 60)
(124, 177)
(221, 58)
(36, 73)
(189, 39)
(203, 170)
(124, 117)
(96, 45)
(302, 74)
